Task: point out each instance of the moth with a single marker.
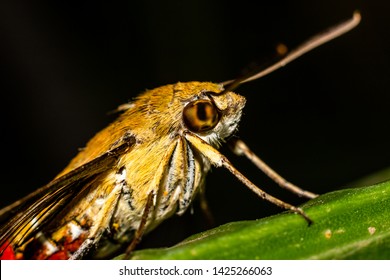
(144, 167)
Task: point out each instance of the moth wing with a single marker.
(34, 211)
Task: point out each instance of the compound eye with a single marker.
(200, 115)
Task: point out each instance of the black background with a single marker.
(322, 121)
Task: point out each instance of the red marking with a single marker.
(39, 248)
(67, 250)
(8, 253)
(72, 247)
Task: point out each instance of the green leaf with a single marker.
(348, 224)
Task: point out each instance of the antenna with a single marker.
(307, 46)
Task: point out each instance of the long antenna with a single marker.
(307, 46)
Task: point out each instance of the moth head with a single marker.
(212, 116)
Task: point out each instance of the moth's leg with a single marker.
(240, 148)
(141, 228)
(218, 159)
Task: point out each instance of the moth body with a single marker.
(161, 161)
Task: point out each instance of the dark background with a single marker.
(322, 121)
